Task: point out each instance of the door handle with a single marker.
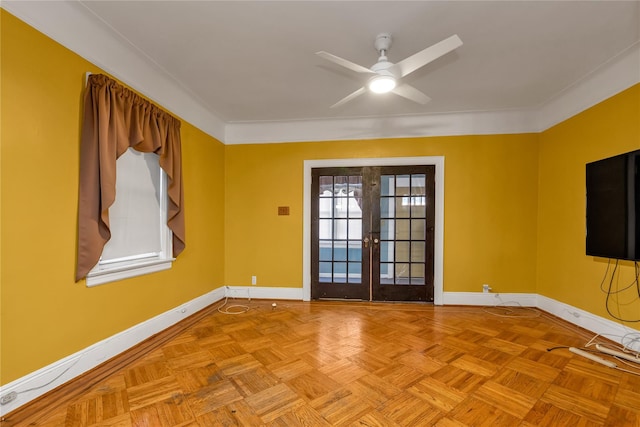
(366, 242)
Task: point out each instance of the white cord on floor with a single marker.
(232, 309)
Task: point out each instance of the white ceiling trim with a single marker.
(74, 27)
(443, 124)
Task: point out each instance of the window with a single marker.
(140, 238)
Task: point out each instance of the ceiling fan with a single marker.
(386, 76)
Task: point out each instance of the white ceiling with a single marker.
(246, 62)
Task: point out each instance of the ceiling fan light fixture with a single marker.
(382, 84)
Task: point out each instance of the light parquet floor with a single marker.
(360, 364)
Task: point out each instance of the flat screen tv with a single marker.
(613, 207)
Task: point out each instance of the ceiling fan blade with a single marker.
(350, 97)
(411, 93)
(425, 56)
(343, 62)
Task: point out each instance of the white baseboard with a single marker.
(262, 292)
(489, 298)
(43, 380)
(46, 379)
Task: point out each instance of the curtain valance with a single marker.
(115, 118)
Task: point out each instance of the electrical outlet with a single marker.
(254, 280)
(486, 288)
(7, 398)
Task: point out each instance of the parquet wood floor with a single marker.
(359, 364)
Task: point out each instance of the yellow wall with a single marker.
(45, 315)
(565, 273)
(490, 207)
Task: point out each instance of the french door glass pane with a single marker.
(402, 229)
(403, 208)
(386, 207)
(386, 251)
(339, 251)
(418, 210)
(387, 185)
(418, 184)
(355, 250)
(417, 252)
(417, 274)
(325, 226)
(355, 272)
(402, 273)
(417, 229)
(402, 251)
(386, 273)
(325, 251)
(325, 271)
(339, 228)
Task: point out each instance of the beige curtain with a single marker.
(115, 118)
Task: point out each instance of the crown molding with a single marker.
(75, 27)
(441, 124)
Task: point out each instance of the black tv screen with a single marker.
(613, 207)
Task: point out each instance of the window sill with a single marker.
(124, 272)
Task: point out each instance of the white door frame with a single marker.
(438, 258)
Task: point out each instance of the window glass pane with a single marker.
(386, 251)
(340, 272)
(325, 272)
(387, 185)
(355, 229)
(403, 185)
(402, 273)
(417, 274)
(417, 251)
(417, 184)
(340, 206)
(355, 250)
(340, 183)
(355, 194)
(355, 272)
(135, 216)
(418, 229)
(387, 229)
(325, 251)
(326, 186)
(402, 251)
(325, 205)
(325, 226)
(418, 210)
(354, 210)
(402, 229)
(339, 251)
(386, 272)
(403, 207)
(386, 207)
(340, 229)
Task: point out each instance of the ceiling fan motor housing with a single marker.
(383, 42)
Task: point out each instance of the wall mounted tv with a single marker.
(613, 207)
